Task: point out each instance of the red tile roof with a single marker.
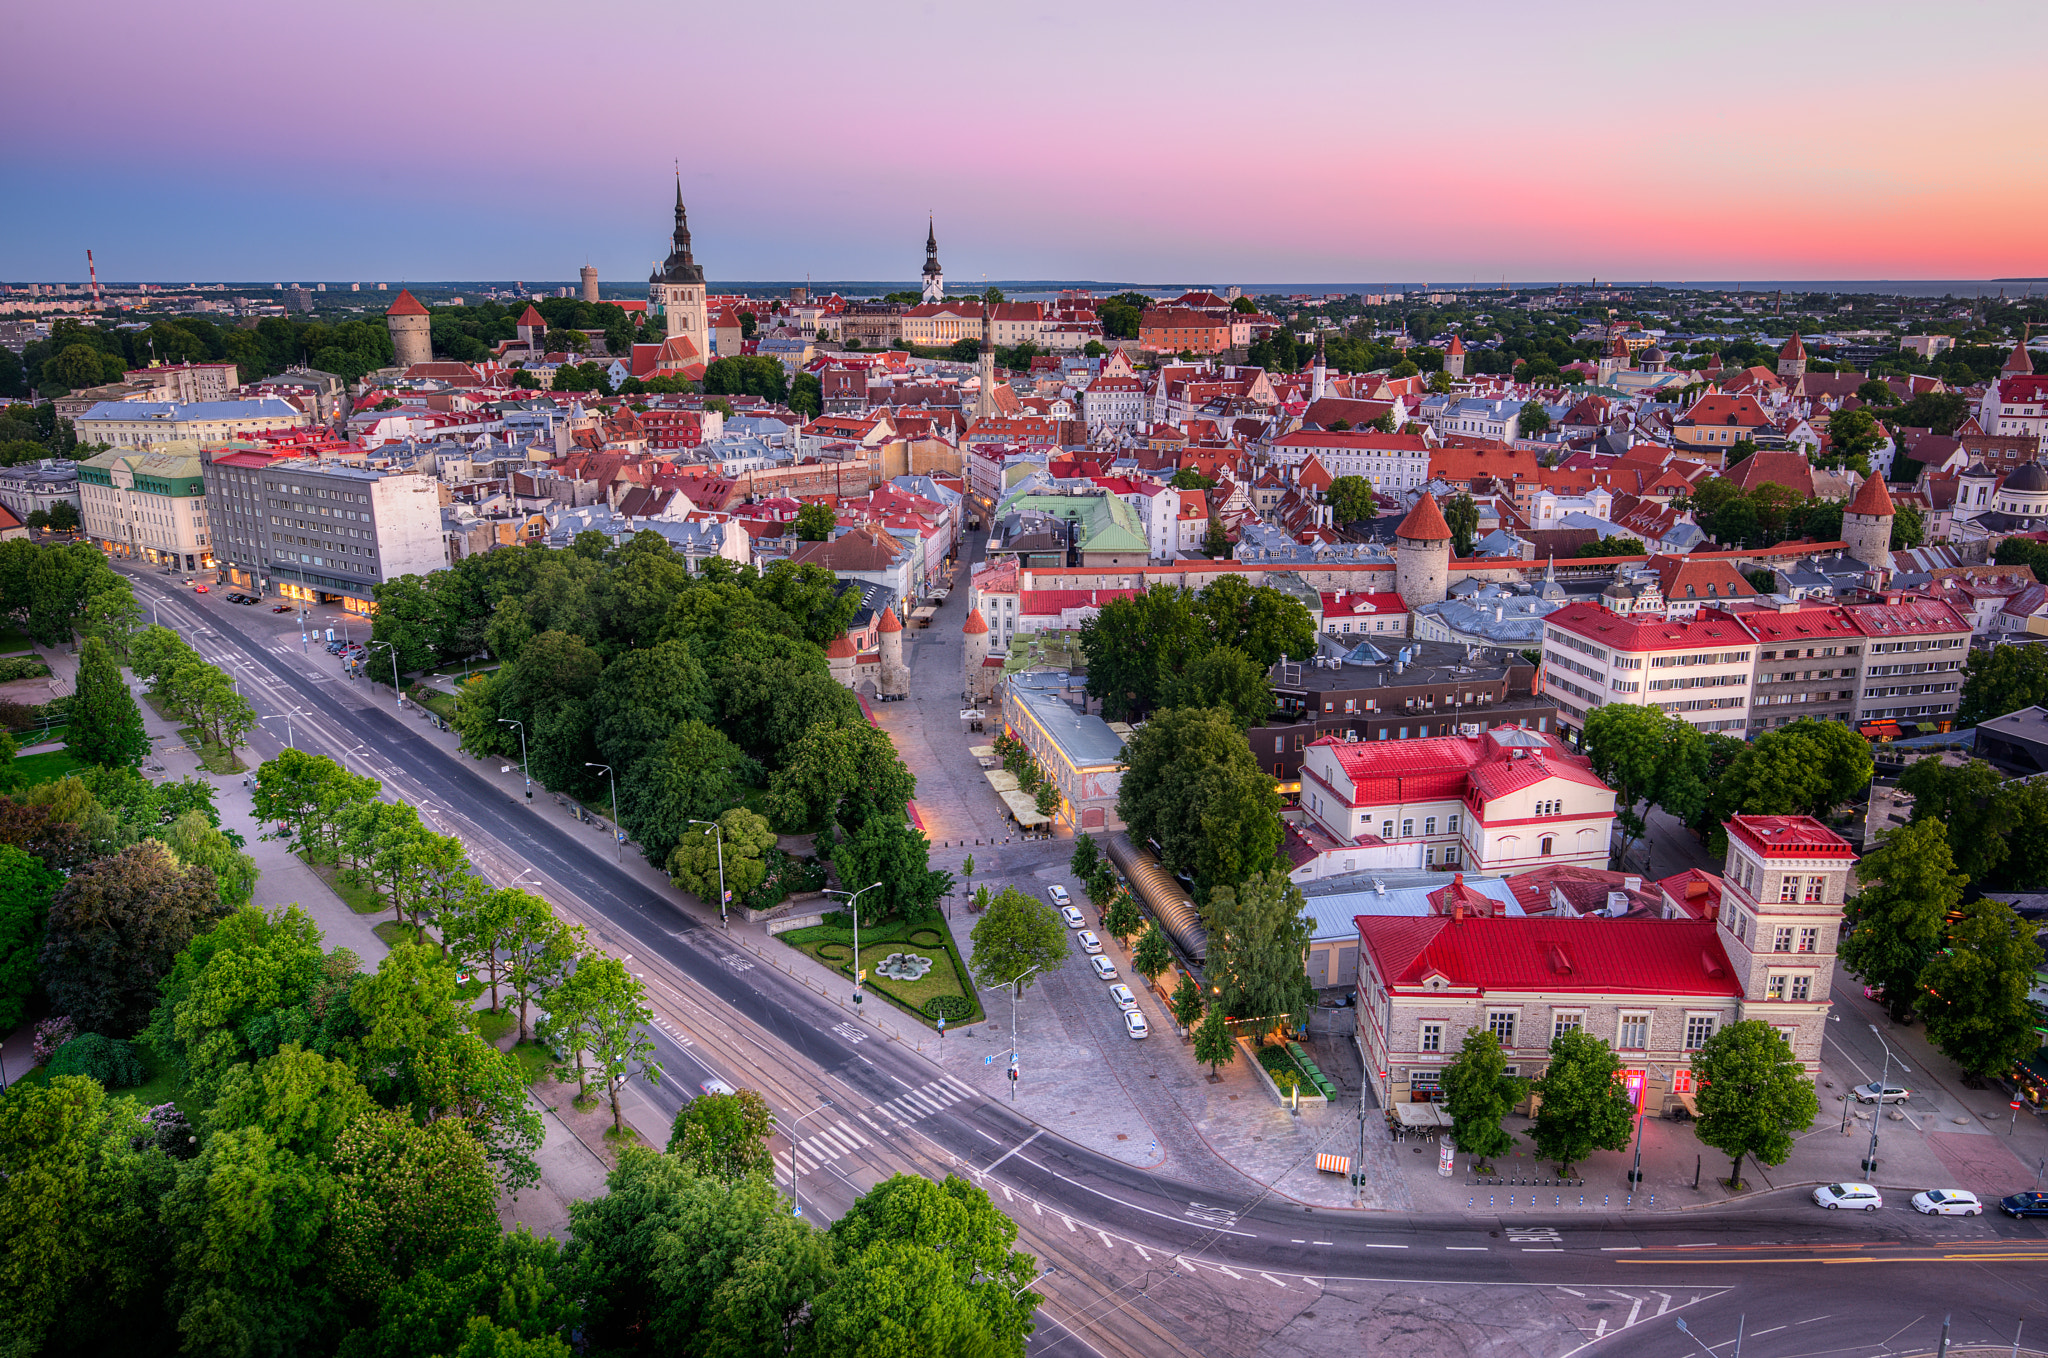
(532, 318)
(1872, 498)
(1552, 956)
(1425, 522)
(407, 305)
(1788, 837)
(1643, 632)
(976, 624)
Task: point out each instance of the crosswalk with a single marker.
(843, 1138)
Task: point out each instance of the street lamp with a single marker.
(619, 853)
(794, 1196)
(1877, 1113)
(396, 687)
(357, 750)
(287, 714)
(1013, 983)
(860, 973)
(525, 769)
(719, 830)
(1635, 1175)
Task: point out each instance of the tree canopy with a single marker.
(1193, 786)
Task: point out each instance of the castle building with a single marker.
(675, 290)
(934, 276)
(1867, 522)
(589, 278)
(1422, 555)
(412, 339)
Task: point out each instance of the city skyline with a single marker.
(1153, 143)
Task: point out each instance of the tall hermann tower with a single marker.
(676, 287)
(934, 276)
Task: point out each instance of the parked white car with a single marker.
(1089, 942)
(1072, 917)
(1058, 894)
(1104, 968)
(1123, 997)
(1135, 1025)
(1873, 1093)
(1834, 1196)
(717, 1087)
(1947, 1202)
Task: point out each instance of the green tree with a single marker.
(1187, 1002)
(1807, 768)
(1216, 544)
(1974, 991)
(1016, 932)
(1193, 786)
(815, 522)
(1535, 421)
(407, 1198)
(724, 1136)
(1351, 499)
(1087, 856)
(747, 375)
(1612, 547)
(198, 844)
(114, 930)
(1478, 1093)
(1877, 393)
(841, 773)
(1910, 885)
(1258, 949)
(1153, 955)
(1136, 646)
(695, 775)
(303, 1101)
(1647, 757)
(896, 856)
(2002, 680)
(1940, 412)
(307, 795)
(487, 926)
(1852, 436)
(1462, 515)
(1224, 678)
(1215, 1045)
(1753, 1093)
(105, 724)
(551, 949)
(1965, 799)
(26, 886)
(612, 1003)
(1908, 528)
(1122, 918)
(693, 866)
(1585, 1105)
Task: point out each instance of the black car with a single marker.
(2025, 1205)
(248, 599)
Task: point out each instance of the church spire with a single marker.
(934, 276)
(679, 267)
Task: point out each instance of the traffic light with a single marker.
(1013, 1074)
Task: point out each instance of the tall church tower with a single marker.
(1781, 918)
(1319, 375)
(934, 276)
(985, 399)
(676, 287)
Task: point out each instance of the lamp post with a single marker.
(289, 739)
(1739, 1322)
(1013, 983)
(618, 848)
(396, 687)
(719, 830)
(1635, 1175)
(794, 1196)
(860, 973)
(1877, 1113)
(525, 769)
(357, 750)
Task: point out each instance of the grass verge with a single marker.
(931, 939)
(360, 899)
(440, 704)
(534, 1062)
(492, 1025)
(393, 933)
(159, 1084)
(13, 640)
(46, 767)
(213, 758)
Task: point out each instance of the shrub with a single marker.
(107, 1059)
(835, 952)
(1286, 1075)
(22, 667)
(839, 921)
(949, 1007)
(17, 716)
(927, 938)
(170, 1131)
(52, 1034)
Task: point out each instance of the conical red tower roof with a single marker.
(407, 305)
(533, 318)
(2021, 364)
(1873, 498)
(1454, 348)
(976, 624)
(888, 622)
(1793, 348)
(1425, 522)
(840, 647)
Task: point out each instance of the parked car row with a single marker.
(243, 599)
(1091, 945)
(1933, 1202)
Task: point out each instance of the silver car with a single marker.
(1875, 1093)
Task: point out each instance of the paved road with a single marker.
(1145, 1264)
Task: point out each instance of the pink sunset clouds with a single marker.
(1120, 141)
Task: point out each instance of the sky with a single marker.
(1133, 140)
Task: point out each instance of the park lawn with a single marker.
(13, 640)
(54, 736)
(393, 933)
(212, 757)
(535, 1064)
(159, 1085)
(934, 939)
(492, 1026)
(440, 704)
(360, 899)
(46, 767)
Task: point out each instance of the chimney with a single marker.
(1458, 914)
(1632, 882)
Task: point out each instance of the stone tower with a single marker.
(1454, 359)
(889, 634)
(676, 287)
(985, 366)
(839, 659)
(1319, 375)
(1422, 555)
(412, 339)
(1792, 358)
(533, 330)
(1867, 524)
(1780, 919)
(975, 634)
(589, 276)
(934, 276)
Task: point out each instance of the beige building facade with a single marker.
(150, 506)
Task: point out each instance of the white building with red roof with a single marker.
(1392, 462)
(1756, 945)
(1350, 612)
(1698, 668)
(1497, 803)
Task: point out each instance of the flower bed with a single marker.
(929, 980)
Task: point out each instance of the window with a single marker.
(1782, 940)
(1451, 825)
(1432, 1038)
(1815, 888)
(1429, 825)
(1635, 1031)
(1566, 1023)
(1681, 1080)
(1386, 829)
(1809, 939)
(1788, 888)
(1407, 826)
(1429, 856)
(1501, 1023)
(1425, 1081)
(1802, 987)
(1546, 846)
(1279, 744)
(1774, 986)
(1698, 1028)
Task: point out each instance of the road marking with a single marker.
(967, 1090)
(879, 1129)
(1297, 1242)
(1541, 1249)
(1273, 1280)
(1480, 1248)
(900, 1080)
(1707, 1246)
(1809, 1322)
(1008, 1196)
(1143, 1253)
(1222, 1268)
(1322, 1242)
(1012, 1151)
(985, 1136)
(1070, 1222)
(1576, 1294)
(850, 1033)
(1600, 1331)
(1633, 1312)
(1754, 1334)
(1611, 1249)
(1663, 1303)
(1107, 1243)
(1371, 1246)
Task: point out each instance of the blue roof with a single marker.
(267, 407)
(1335, 915)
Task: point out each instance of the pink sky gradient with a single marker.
(1131, 141)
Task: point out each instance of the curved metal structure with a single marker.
(1162, 892)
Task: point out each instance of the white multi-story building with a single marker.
(1700, 668)
(150, 505)
(1392, 462)
(146, 424)
(1913, 661)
